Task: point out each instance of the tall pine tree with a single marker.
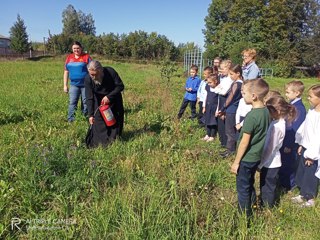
(19, 36)
(70, 20)
(86, 23)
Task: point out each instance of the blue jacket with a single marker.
(250, 71)
(193, 83)
(291, 129)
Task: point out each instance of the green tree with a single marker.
(19, 36)
(280, 30)
(86, 23)
(167, 70)
(70, 20)
(109, 44)
(215, 21)
(309, 47)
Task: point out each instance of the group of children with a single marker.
(218, 96)
(273, 136)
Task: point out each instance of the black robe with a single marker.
(111, 87)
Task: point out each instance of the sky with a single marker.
(181, 21)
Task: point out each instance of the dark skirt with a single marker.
(103, 135)
(211, 107)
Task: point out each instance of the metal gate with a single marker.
(194, 57)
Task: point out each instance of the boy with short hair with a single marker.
(192, 85)
(289, 158)
(251, 142)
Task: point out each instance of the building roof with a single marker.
(4, 37)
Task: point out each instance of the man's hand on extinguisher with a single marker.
(105, 100)
(91, 120)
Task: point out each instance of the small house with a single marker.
(4, 42)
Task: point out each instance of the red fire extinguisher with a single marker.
(107, 115)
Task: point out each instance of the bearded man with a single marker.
(103, 86)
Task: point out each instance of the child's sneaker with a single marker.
(297, 199)
(210, 139)
(205, 138)
(309, 203)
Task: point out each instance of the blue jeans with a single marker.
(245, 186)
(74, 93)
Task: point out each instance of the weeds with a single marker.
(158, 182)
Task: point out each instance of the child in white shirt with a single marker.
(202, 93)
(242, 110)
(222, 89)
(270, 164)
(307, 137)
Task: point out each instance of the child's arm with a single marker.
(200, 89)
(242, 148)
(238, 126)
(204, 104)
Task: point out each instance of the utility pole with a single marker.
(44, 46)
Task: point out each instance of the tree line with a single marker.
(285, 34)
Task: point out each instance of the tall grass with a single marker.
(158, 182)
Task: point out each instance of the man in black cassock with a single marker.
(103, 86)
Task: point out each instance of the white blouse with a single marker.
(242, 110)
(308, 135)
(202, 93)
(224, 86)
(271, 157)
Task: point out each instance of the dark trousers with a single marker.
(211, 130)
(184, 105)
(306, 179)
(231, 131)
(222, 132)
(200, 114)
(268, 185)
(245, 186)
(288, 169)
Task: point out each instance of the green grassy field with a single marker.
(159, 182)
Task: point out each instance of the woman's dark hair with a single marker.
(77, 43)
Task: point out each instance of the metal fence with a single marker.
(8, 53)
(193, 57)
(266, 72)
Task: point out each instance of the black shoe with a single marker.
(227, 153)
(223, 153)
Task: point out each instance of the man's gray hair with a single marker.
(94, 65)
